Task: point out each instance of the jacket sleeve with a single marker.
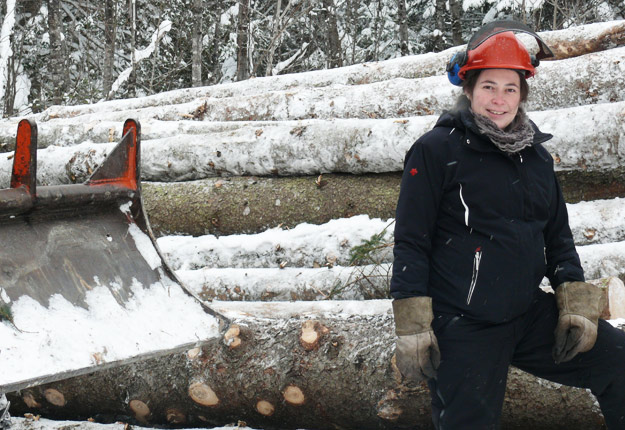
(563, 262)
(415, 218)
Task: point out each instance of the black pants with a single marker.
(469, 390)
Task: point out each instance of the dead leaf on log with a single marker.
(298, 131)
(319, 182)
(200, 111)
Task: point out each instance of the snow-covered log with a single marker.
(305, 245)
(588, 137)
(322, 365)
(239, 205)
(290, 283)
(567, 43)
(366, 281)
(588, 79)
(332, 243)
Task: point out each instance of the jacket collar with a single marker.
(462, 120)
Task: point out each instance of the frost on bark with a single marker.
(290, 366)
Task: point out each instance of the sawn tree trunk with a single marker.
(300, 365)
(248, 204)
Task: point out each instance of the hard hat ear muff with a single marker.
(535, 61)
(458, 60)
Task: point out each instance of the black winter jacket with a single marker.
(478, 229)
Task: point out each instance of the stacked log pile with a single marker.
(234, 160)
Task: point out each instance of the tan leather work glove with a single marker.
(416, 351)
(580, 305)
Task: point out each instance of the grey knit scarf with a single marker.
(518, 135)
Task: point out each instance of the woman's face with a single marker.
(497, 95)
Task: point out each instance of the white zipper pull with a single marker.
(520, 157)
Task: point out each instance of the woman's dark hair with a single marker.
(471, 76)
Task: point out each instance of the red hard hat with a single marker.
(499, 51)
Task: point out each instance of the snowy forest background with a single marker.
(67, 52)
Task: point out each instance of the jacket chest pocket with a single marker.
(486, 196)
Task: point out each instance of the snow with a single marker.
(141, 54)
(45, 424)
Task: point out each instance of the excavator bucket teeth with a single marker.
(84, 249)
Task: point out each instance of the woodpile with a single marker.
(315, 148)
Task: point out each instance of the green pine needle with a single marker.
(5, 313)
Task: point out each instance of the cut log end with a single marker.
(140, 410)
(202, 394)
(231, 338)
(194, 353)
(30, 401)
(293, 395)
(311, 334)
(175, 416)
(55, 397)
(387, 407)
(265, 408)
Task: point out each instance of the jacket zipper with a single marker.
(477, 258)
(466, 208)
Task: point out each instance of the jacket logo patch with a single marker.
(413, 171)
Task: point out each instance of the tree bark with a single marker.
(333, 43)
(242, 40)
(402, 18)
(251, 204)
(196, 43)
(277, 29)
(455, 9)
(132, 79)
(8, 14)
(294, 365)
(109, 46)
(56, 51)
(440, 15)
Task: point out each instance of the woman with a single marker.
(480, 222)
